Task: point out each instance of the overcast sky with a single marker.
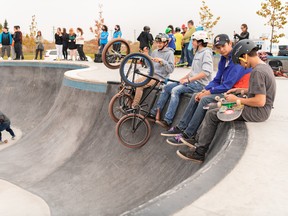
(132, 15)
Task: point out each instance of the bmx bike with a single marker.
(133, 128)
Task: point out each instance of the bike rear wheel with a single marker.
(136, 69)
(114, 52)
(133, 130)
(118, 106)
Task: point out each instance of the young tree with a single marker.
(6, 24)
(206, 18)
(276, 14)
(98, 26)
(33, 27)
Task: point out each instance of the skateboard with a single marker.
(4, 142)
(181, 64)
(228, 111)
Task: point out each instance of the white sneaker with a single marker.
(9, 58)
(1, 58)
(13, 137)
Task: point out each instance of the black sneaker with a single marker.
(163, 124)
(151, 118)
(175, 141)
(191, 155)
(190, 142)
(173, 131)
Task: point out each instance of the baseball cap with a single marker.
(221, 39)
(183, 26)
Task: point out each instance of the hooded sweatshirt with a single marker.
(203, 62)
(163, 71)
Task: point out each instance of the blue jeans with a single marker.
(189, 54)
(175, 90)
(194, 114)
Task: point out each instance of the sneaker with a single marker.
(151, 117)
(175, 141)
(1, 58)
(9, 58)
(191, 155)
(163, 124)
(190, 142)
(173, 131)
(13, 137)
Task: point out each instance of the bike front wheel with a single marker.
(114, 52)
(133, 130)
(136, 69)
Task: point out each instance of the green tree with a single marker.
(276, 13)
(207, 20)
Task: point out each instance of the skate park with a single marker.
(67, 159)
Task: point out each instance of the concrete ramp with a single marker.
(69, 154)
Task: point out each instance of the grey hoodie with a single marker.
(203, 61)
(163, 71)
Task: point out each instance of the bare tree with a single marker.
(96, 29)
(276, 13)
(33, 27)
(206, 18)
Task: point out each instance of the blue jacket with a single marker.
(171, 44)
(226, 77)
(117, 34)
(104, 37)
(9, 37)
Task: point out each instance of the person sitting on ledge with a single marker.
(258, 104)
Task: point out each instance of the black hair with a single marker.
(118, 27)
(105, 28)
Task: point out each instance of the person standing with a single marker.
(186, 39)
(72, 44)
(103, 38)
(244, 34)
(39, 44)
(17, 37)
(59, 44)
(178, 37)
(117, 34)
(80, 44)
(146, 40)
(65, 37)
(6, 42)
(172, 39)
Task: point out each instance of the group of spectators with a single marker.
(11, 43)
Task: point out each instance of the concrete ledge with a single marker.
(231, 138)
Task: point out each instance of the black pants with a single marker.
(81, 52)
(8, 129)
(65, 52)
(37, 51)
(18, 51)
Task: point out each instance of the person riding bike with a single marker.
(163, 62)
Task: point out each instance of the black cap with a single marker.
(221, 39)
